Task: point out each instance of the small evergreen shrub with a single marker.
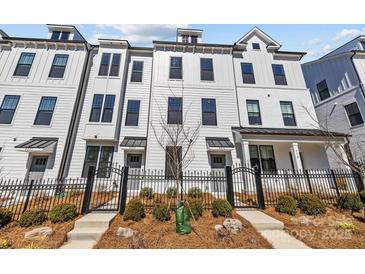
(62, 213)
(161, 212)
(221, 207)
(311, 205)
(362, 196)
(195, 193)
(171, 192)
(194, 208)
(350, 201)
(286, 204)
(146, 192)
(32, 217)
(5, 217)
(134, 211)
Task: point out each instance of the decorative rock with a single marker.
(137, 241)
(40, 232)
(233, 225)
(125, 232)
(252, 240)
(222, 234)
(304, 220)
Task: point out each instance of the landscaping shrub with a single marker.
(347, 226)
(221, 207)
(194, 208)
(134, 211)
(146, 192)
(171, 192)
(286, 204)
(350, 201)
(195, 193)
(311, 205)
(161, 212)
(63, 213)
(362, 196)
(5, 217)
(32, 217)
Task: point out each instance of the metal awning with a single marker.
(219, 143)
(39, 144)
(287, 131)
(134, 142)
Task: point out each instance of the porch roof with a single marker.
(288, 131)
(130, 141)
(218, 142)
(42, 144)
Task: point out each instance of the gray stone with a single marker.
(233, 225)
(222, 234)
(40, 232)
(125, 232)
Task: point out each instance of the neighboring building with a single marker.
(336, 82)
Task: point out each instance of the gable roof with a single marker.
(259, 33)
(3, 33)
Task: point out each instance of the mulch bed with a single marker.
(323, 231)
(161, 235)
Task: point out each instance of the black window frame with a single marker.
(363, 45)
(105, 171)
(176, 73)
(287, 120)
(280, 79)
(185, 38)
(174, 117)
(260, 162)
(44, 117)
(206, 74)
(54, 68)
(169, 157)
(256, 46)
(24, 69)
(8, 112)
(55, 35)
(96, 109)
(209, 118)
(248, 77)
(108, 110)
(254, 120)
(65, 35)
(115, 65)
(194, 39)
(104, 64)
(219, 165)
(322, 89)
(132, 117)
(137, 74)
(354, 117)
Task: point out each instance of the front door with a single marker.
(37, 167)
(218, 163)
(134, 162)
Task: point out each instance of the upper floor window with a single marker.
(104, 64)
(288, 113)
(45, 111)
(363, 45)
(255, 45)
(137, 71)
(176, 68)
(354, 114)
(97, 106)
(114, 68)
(58, 66)
(194, 39)
(206, 69)
(323, 90)
(60, 35)
(108, 109)
(248, 76)
(132, 116)
(253, 111)
(8, 107)
(107, 68)
(185, 38)
(24, 64)
(279, 74)
(209, 112)
(175, 106)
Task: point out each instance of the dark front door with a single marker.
(37, 168)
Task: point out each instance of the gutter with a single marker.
(357, 73)
(235, 87)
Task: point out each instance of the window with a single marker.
(323, 90)
(100, 158)
(254, 156)
(194, 39)
(253, 111)
(173, 162)
(176, 68)
(185, 38)
(104, 64)
(217, 160)
(24, 64)
(354, 114)
(262, 157)
(174, 115)
(137, 71)
(8, 108)
(64, 36)
(45, 111)
(209, 112)
(132, 113)
(108, 109)
(363, 45)
(96, 108)
(58, 35)
(58, 66)
(114, 68)
(55, 35)
(206, 69)
(247, 73)
(255, 45)
(134, 160)
(288, 113)
(279, 74)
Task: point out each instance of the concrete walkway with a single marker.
(271, 229)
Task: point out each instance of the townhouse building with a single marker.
(336, 84)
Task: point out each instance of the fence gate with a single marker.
(104, 189)
(244, 188)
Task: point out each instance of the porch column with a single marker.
(246, 154)
(296, 156)
(342, 154)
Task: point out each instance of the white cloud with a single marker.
(327, 48)
(348, 34)
(314, 41)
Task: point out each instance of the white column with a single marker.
(342, 154)
(246, 154)
(296, 156)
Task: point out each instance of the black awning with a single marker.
(38, 143)
(287, 131)
(221, 142)
(134, 142)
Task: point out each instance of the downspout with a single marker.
(75, 117)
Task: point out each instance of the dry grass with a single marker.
(322, 231)
(161, 235)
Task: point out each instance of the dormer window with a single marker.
(363, 45)
(60, 35)
(185, 38)
(255, 45)
(194, 39)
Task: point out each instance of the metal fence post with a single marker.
(124, 189)
(259, 190)
(229, 182)
(88, 190)
(308, 181)
(28, 195)
(358, 181)
(335, 183)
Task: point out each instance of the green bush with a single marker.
(32, 217)
(350, 201)
(194, 208)
(362, 196)
(62, 213)
(286, 204)
(195, 193)
(221, 207)
(5, 217)
(134, 211)
(311, 205)
(171, 192)
(161, 212)
(146, 192)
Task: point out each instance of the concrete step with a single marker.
(79, 245)
(91, 224)
(85, 234)
(280, 239)
(260, 220)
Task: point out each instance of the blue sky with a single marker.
(317, 40)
